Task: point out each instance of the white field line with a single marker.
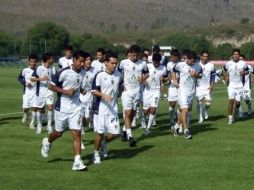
(13, 113)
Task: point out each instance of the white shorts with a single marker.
(130, 100)
(247, 94)
(106, 124)
(184, 99)
(203, 93)
(74, 120)
(235, 93)
(151, 99)
(172, 94)
(41, 101)
(86, 109)
(29, 101)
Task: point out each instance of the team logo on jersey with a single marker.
(154, 72)
(78, 80)
(112, 81)
(133, 68)
(156, 100)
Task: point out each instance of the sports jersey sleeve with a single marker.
(97, 83)
(165, 72)
(21, 78)
(120, 67)
(145, 69)
(58, 79)
(35, 73)
(60, 63)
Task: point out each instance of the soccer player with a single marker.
(98, 64)
(106, 88)
(29, 90)
(172, 90)
(246, 89)
(235, 71)
(189, 71)
(151, 94)
(66, 61)
(43, 76)
(204, 86)
(67, 84)
(86, 96)
(135, 72)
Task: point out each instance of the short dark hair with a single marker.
(134, 49)
(236, 50)
(156, 48)
(204, 51)
(32, 56)
(87, 54)
(68, 48)
(146, 49)
(186, 51)
(175, 52)
(156, 57)
(101, 50)
(47, 56)
(243, 56)
(110, 54)
(78, 54)
(191, 55)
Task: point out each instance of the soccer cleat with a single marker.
(79, 166)
(49, 129)
(45, 147)
(175, 130)
(38, 129)
(132, 142)
(187, 134)
(96, 159)
(104, 149)
(147, 132)
(124, 136)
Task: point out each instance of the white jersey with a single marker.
(68, 79)
(234, 69)
(86, 84)
(132, 72)
(98, 66)
(187, 83)
(170, 67)
(42, 86)
(155, 73)
(108, 84)
(247, 79)
(24, 78)
(208, 75)
(65, 62)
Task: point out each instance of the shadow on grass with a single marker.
(7, 120)
(204, 127)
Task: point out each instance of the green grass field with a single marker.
(218, 157)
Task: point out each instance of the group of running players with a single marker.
(88, 92)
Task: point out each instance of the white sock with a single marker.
(77, 158)
(34, 115)
(39, 118)
(171, 112)
(129, 134)
(96, 153)
(124, 128)
(207, 106)
(50, 116)
(150, 121)
(200, 109)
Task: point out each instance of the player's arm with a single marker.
(245, 71)
(57, 82)
(35, 77)
(21, 79)
(96, 90)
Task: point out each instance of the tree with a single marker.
(224, 51)
(143, 43)
(6, 44)
(248, 50)
(46, 36)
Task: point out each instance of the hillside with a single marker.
(96, 16)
